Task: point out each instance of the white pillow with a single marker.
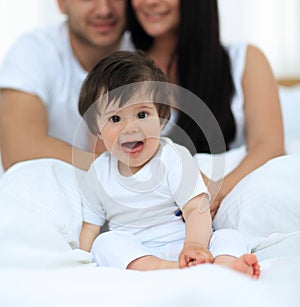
(266, 201)
(45, 188)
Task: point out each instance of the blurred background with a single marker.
(272, 25)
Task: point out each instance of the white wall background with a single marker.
(19, 16)
(272, 25)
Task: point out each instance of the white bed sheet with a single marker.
(40, 265)
(205, 285)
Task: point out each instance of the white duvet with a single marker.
(41, 265)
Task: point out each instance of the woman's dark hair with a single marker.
(105, 85)
(203, 65)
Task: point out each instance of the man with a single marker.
(41, 78)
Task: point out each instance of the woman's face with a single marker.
(157, 17)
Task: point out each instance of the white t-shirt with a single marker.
(42, 63)
(145, 203)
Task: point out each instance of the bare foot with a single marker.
(247, 264)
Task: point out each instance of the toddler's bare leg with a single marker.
(147, 263)
(247, 264)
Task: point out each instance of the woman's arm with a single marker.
(264, 127)
(88, 234)
(198, 232)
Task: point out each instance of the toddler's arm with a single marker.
(88, 234)
(198, 232)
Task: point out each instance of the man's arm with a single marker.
(24, 133)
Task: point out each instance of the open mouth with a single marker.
(133, 147)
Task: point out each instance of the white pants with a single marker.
(118, 248)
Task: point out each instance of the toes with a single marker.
(250, 259)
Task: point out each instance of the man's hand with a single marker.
(193, 254)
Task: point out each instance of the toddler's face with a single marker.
(131, 134)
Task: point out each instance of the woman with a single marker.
(236, 82)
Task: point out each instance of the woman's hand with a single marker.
(214, 207)
(217, 193)
(194, 253)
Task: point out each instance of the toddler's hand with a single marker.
(193, 254)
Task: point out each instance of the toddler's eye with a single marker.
(142, 114)
(114, 118)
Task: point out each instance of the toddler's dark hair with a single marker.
(109, 77)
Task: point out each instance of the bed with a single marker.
(40, 219)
